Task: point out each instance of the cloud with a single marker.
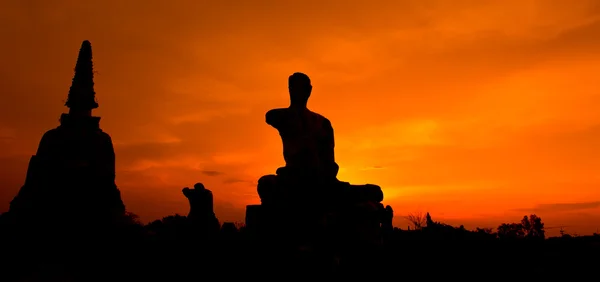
(563, 207)
(229, 212)
(6, 133)
(373, 168)
(204, 116)
(13, 174)
(239, 180)
(396, 134)
(211, 172)
(129, 154)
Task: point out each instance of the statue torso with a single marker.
(306, 138)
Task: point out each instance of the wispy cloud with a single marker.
(562, 207)
(373, 168)
(233, 180)
(6, 133)
(211, 172)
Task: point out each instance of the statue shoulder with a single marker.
(277, 111)
(321, 119)
(275, 115)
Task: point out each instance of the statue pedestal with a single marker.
(254, 217)
(345, 225)
(296, 208)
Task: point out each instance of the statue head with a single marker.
(300, 88)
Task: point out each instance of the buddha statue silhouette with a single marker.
(310, 172)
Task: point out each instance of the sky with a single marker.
(479, 112)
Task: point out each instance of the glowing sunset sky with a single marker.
(477, 111)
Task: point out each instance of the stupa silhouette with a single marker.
(71, 178)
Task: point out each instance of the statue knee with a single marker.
(377, 192)
(374, 192)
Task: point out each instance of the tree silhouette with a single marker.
(484, 230)
(530, 227)
(418, 220)
(533, 227)
(131, 218)
(510, 231)
(526, 224)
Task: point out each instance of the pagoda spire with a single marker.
(82, 97)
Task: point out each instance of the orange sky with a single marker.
(476, 111)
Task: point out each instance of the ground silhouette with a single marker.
(68, 222)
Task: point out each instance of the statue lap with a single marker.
(339, 207)
(275, 188)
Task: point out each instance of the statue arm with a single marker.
(274, 118)
(329, 135)
(328, 153)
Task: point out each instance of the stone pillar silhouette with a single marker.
(387, 217)
(202, 215)
(71, 178)
(387, 227)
